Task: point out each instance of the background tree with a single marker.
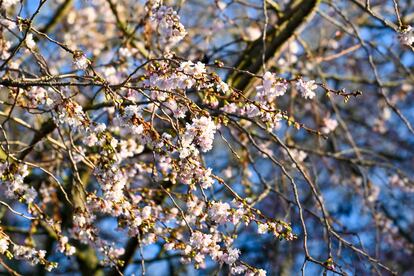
(206, 137)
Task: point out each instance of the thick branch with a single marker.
(251, 59)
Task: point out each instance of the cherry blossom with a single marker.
(306, 88)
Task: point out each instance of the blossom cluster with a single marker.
(12, 176)
(167, 23)
(264, 105)
(23, 252)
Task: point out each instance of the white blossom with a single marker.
(131, 111)
(306, 88)
(298, 155)
(251, 110)
(194, 69)
(252, 33)
(406, 36)
(262, 228)
(219, 212)
(64, 246)
(329, 125)
(16, 188)
(9, 3)
(231, 256)
(240, 269)
(167, 24)
(31, 44)
(270, 88)
(4, 245)
(201, 132)
(231, 108)
(223, 87)
(80, 61)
